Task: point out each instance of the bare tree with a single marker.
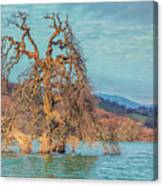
(55, 97)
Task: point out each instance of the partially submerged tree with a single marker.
(54, 101)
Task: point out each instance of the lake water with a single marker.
(136, 162)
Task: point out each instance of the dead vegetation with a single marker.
(53, 103)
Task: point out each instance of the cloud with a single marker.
(117, 40)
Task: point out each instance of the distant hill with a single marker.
(121, 100)
(146, 114)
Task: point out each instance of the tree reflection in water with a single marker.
(68, 166)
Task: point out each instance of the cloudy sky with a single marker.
(116, 39)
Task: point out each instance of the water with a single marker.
(136, 162)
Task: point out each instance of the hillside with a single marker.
(146, 114)
(119, 100)
(124, 128)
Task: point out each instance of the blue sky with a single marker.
(116, 39)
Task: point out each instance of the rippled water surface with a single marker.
(135, 162)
